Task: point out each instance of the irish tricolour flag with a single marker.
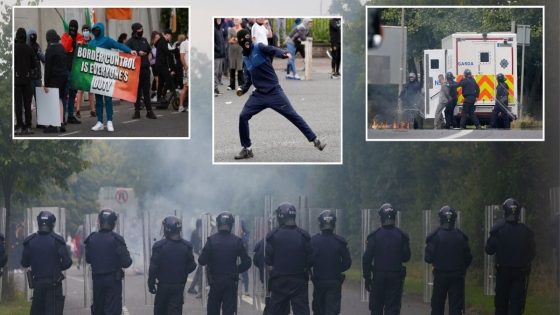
(106, 72)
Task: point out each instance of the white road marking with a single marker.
(459, 134)
(68, 133)
(130, 121)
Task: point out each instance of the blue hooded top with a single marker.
(105, 41)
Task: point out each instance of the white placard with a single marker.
(48, 107)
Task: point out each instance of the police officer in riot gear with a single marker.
(330, 259)
(500, 119)
(513, 244)
(450, 107)
(45, 252)
(3, 256)
(447, 249)
(470, 94)
(107, 254)
(220, 254)
(386, 249)
(289, 254)
(171, 262)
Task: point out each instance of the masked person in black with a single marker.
(450, 107)
(45, 252)
(196, 241)
(140, 44)
(330, 259)
(334, 32)
(447, 249)
(171, 262)
(289, 254)
(165, 65)
(55, 73)
(3, 256)
(410, 94)
(470, 94)
(500, 118)
(220, 254)
(24, 67)
(36, 75)
(107, 254)
(513, 243)
(386, 249)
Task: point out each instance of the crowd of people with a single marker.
(228, 57)
(164, 70)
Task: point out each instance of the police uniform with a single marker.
(170, 264)
(500, 119)
(388, 247)
(330, 259)
(470, 93)
(107, 254)
(46, 254)
(514, 246)
(220, 254)
(449, 252)
(450, 107)
(288, 251)
(3, 257)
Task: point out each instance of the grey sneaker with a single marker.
(317, 143)
(244, 154)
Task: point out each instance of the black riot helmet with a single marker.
(500, 77)
(327, 220)
(286, 214)
(467, 73)
(387, 214)
(172, 228)
(512, 210)
(449, 76)
(225, 221)
(45, 221)
(107, 219)
(447, 217)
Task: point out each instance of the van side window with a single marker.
(434, 63)
(484, 57)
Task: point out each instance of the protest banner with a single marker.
(106, 72)
(48, 107)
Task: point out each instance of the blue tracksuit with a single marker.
(268, 94)
(106, 42)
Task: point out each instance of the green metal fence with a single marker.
(320, 28)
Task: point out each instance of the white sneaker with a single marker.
(110, 126)
(296, 77)
(181, 109)
(98, 126)
(289, 76)
(154, 99)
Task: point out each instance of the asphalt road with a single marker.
(274, 138)
(454, 134)
(170, 123)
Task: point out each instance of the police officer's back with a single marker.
(386, 249)
(288, 252)
(171, 262)
(107, 254)
(45, 252)
(220, 254)
(330, 259)
(470, 91)
(500, 118)
(513, 244)
(447, 249)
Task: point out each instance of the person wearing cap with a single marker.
(140, 44)
(46, 254)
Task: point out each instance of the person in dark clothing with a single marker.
(45, 252)
(107, 254)
(196, 241)
(500, 118)
(165, 65)
(513, 244)
(140, 44)
(330, 259)
(171, 262)
(410, 94)
(24, 66)
(70, 41)
(334, 32)
(268, 93)
(386, 249)
(220, 254)
(450, 107)
(447, 249)
(470, 94)
(37, 76)
(122, 38)
(56, 73)
(3, 256)
(289, 254)
(219, 55)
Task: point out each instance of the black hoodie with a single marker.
(55, 60)
(24, 59)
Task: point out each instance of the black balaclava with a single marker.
(135, 32)
(245, 41)
(21, 35)
(33, 38)
(52, 37)
(73, 28)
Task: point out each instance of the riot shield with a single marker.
(206, 232)
(238, 231)
(257, 288)
(431, 222)
(302, 216)
(3, 231)
(148, 238)
(370, 222)
(493, 214)
(59, 228)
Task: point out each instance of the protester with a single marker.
(165, 66)
(184, 49)
(36, 75)
(122, 38)
(86, 33)
(24, 65)
(56, 73)
(295, 38)
(153, 40)
(69, 41)
(235, 53)
(219, 55)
